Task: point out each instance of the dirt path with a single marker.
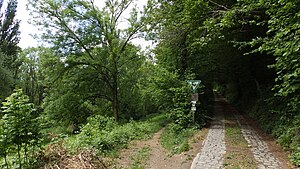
(158, 157)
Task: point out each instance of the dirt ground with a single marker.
(159, 158)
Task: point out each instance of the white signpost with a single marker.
(194, 97)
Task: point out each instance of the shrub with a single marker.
(180, 111)
(106, 136)
(281, 122)
(19, 130)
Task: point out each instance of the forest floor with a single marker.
(247, 146)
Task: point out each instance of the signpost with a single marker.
(194, 96)
(194, 84)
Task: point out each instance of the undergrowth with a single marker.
(175, 139)
(56, 155)
(277, 119)
(100, 137)
(106, 136)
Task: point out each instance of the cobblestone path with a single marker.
(263, 156)
(213, 150)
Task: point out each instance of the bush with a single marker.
(19, 131)
(105, 136)
(290, 139)
(281, 122)
(180, 113)
(295, 156)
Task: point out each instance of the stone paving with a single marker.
(262, 154)
(213, 150)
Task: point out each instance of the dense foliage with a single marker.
(19, 131)
(245, 49)
(94, 86)
(106, 136)
(92, 48)
(9, 39)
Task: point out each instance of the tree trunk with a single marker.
(19, 156)
(40, 94)
(25, 155)
(32, 93)
(5, 160)
(115, 101)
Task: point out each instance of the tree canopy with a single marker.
(91, 45)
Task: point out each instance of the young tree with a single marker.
(19, 127)
(88, 37)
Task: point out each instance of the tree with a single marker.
(10, 36)
(172, 28)
(30, 75)
(5, 79)
(89, 38)
(252, 47)
(19, 127)
(283, 29)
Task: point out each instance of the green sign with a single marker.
(194, 84)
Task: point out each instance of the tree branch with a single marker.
(122, 10)
(73, 34)
(131, 35)
(105, 75)
(222, 6)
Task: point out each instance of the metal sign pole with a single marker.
(194, 96)
(193, 109)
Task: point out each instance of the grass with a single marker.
(176, 141)
(138, 161)
(238, 154)
(235, 137)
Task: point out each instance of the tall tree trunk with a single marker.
(115, 101)
(32, 93)
(40, 94)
